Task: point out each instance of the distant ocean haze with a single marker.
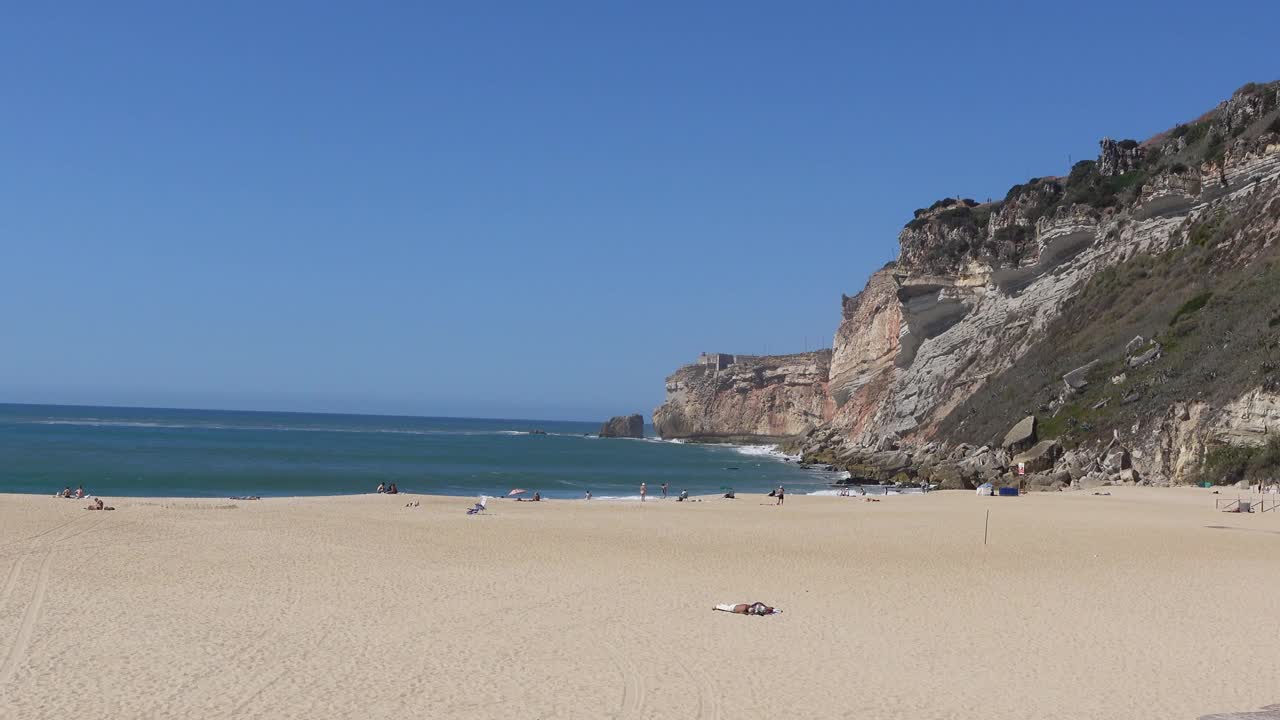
(214, 453)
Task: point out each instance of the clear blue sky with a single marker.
(520, 209)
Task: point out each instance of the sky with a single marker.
(525, 210)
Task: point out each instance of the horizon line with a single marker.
(295, 412)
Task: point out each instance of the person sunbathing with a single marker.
(98, 505)
(755, 608)
(392, 490)
(80, 493)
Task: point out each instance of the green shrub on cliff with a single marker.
(1215, 149)
(1218, 347)
(1196, 302)
(1229, 464)
(1086, 186)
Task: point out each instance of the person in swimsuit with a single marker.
(755, 608)
(781, 490)
(80, 493)
(392, 490)
(382, 488)
(644, 490)
(664, 491)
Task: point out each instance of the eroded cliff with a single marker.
(1132, 303)
(746, 398)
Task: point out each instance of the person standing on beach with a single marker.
(644, 490)
(781, 491)
(664, 491)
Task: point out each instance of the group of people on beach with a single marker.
(80, 494)
(779, 493)
(644, 491)
(384, 489)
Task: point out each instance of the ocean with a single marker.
(214, 453)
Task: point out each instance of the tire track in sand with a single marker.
(22, 638)
(708, 700)
(633, 689)
(19, 647)
(11, 580)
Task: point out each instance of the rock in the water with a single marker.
(625, 426)
(1021, 436)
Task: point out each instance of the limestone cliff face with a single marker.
(746, 398)
(953, 343)
(867, 344)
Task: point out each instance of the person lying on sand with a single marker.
(411, 504)
(97, 505)
(755, 608)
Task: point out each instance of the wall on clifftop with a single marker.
(757, 398)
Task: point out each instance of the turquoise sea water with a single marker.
(212, 453)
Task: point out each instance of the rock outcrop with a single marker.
(746, 398)
(624, 426)
(1118, 158)
(1129, 304)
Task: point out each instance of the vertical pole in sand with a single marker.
(986, 525)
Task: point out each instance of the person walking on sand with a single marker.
(781, 492)
(644, 490)
(664, 491)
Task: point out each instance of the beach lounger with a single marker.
(479, 507)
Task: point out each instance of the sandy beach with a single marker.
(1144, 604)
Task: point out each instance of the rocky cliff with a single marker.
(1132, 304)
(744, 398)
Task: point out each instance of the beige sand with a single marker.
(1145, 604)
